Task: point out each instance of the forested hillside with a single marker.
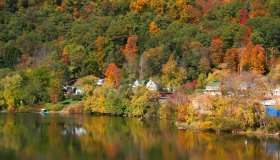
(45, 44)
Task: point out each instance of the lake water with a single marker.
(54, 137)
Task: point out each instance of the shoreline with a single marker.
(259, 133)
(180, 126)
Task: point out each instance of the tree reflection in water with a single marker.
(32, 136)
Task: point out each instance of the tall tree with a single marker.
(172, 75)
(258, 59)
(253, 58)
(216, 51)
(232, 59)
(130, 52)
(112, 75)
(130, 49)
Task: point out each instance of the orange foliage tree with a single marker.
(137, 5)
(130, 49)
(112, 74)
(253, 58)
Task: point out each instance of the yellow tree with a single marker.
(172, 75)
(157, 5)
(258, 59)
(245, 57)
(153, 28)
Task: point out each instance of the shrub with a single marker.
(143, 103)
(106, 100)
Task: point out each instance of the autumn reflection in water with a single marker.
(33, 136)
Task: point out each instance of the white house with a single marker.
(72, 90)
(269, 102)
(79, 92)
(276, 92)
(213, 89)
(138, 83)
(152, 86)
(246, 85)
(100, 82)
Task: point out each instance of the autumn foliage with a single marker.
(253, 58)
(130, 49)
(216, 51)
(112, 75)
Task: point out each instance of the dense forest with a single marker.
(45, 44)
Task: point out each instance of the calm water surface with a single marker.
(54, 137)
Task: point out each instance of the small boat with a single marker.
(44, 111)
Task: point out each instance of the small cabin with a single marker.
(275, 92)
(268, 102)
(271, 107)
(138, 83)
(79, 92)
(100, 82)
(152, 86)
(213, 89)
(71, 90)
(246, 86)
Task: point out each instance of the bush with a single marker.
(143, 103)
(106, 100)
(272, 124)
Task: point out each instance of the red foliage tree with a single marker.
(244, 16)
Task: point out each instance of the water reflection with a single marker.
(78, 131)
(32, 136)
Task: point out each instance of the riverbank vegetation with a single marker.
(181, 45)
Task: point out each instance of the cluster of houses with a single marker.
(72, 90)
(149, 84)
(211, 89)
(76, 91)
(270, 103)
